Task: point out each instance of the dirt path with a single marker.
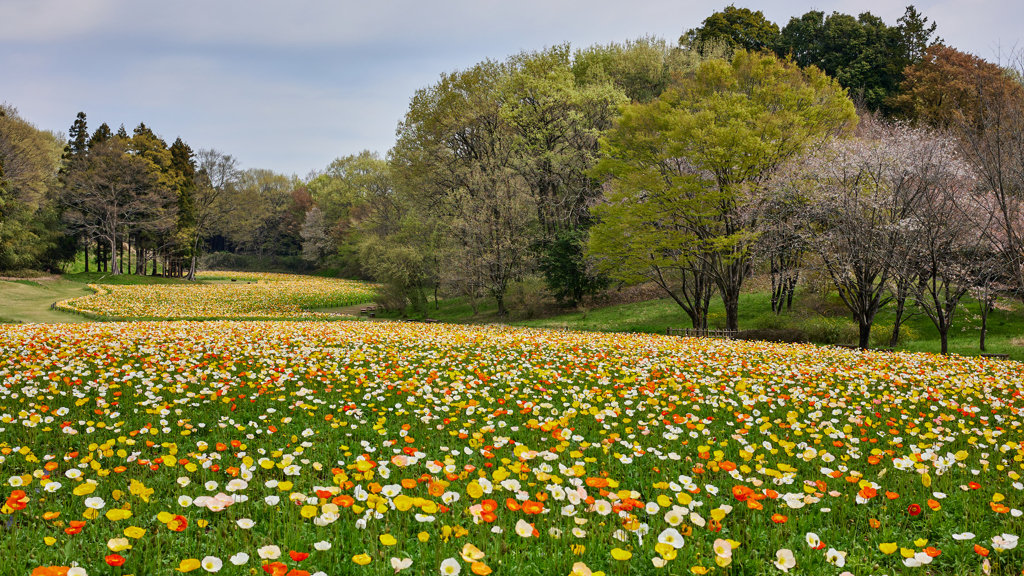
(345, 310)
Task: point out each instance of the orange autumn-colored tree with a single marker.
(948, 84)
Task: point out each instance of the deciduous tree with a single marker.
(111, 191)
(713, 142)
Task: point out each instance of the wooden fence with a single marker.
(698, 333)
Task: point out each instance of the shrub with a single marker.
(825, 330)
(770, 322)
(527, 299)
(250, 263)
(391, 299)
(881, 335)
(792, 335)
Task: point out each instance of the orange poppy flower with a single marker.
(275, 569)
(981, 550)
(999, 508)
(298, 556)
(512, 504)
(867, 493)
(344, 501)
(741, 492)
(178, 523)
(779, 518)
(51, 571)
(114, 560)
(875, 523)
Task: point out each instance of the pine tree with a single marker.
(183, 164)
(78, 137)
(101, 135)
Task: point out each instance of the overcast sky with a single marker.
(292, 85)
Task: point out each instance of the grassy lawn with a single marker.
(28, 301)
(22, 301)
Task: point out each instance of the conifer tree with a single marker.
(101, 135)
(78, 137)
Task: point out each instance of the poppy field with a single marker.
(393, 448)
(253, 295)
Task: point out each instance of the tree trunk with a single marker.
(113, 256)
(732, 310)
(944, 338)
(776, 286)
(865, 336)
(986, 307)
(792, 291)
(87, 256)
(900, 307)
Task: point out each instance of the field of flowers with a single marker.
(265, 295)
(382, 448)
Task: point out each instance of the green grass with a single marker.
(30, 302)
(123, 279)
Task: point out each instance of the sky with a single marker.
(290, 86)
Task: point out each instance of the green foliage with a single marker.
(881, 334)
(740, 27)
(344, 192)
(500, 153)
(863, 53)
(405, 259)
(567, 270)
(641, 68)
(528, 297)
(252, 263)
(30, 234)
(266, 226)
(684, 171)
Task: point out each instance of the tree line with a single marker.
(872, 153)
(130, 203)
